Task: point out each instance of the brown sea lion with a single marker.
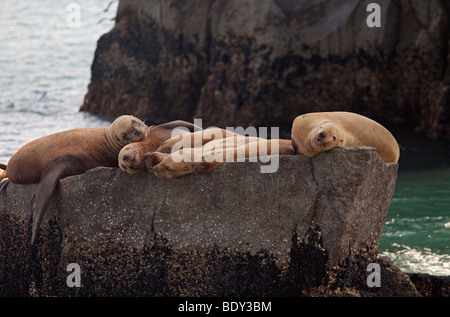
(195, 160)
(131, 157)
(195, 139)
(171, 168)
(313, 133)
(253, 149)
(207, 143)
(50, 158)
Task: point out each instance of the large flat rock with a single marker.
(294, 227)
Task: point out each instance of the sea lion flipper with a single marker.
(62, 166)
(41, 199)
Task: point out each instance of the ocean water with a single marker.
(416, 234)
(45, 64)
(44, 72)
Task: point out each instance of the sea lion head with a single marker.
(131, 160)
(126, 129)
(322, 138)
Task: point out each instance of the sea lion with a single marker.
(209, 144)
(313, 133)
(50, 158)
(253, 149)
(131, 157)
(169, 166)
(195, 139)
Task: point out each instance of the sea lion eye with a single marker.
(322, 134)
(136, 132)
(334, 138)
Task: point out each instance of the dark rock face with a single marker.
(309, 229)
(431, 286)
(263, 63)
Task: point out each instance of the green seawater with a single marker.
(416, 233)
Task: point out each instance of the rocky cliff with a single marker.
(263, 62)
(312, 228)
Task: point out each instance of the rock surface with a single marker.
(309, 229)
(264, 62)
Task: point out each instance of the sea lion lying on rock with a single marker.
(195, 139)
(50, 158)
(204, 140)
(313, 133)
(131, 157)
(197, 160)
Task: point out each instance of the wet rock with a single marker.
(311, 228)
(431, 286)
(262, 63)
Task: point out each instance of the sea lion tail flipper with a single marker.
(62, 166)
